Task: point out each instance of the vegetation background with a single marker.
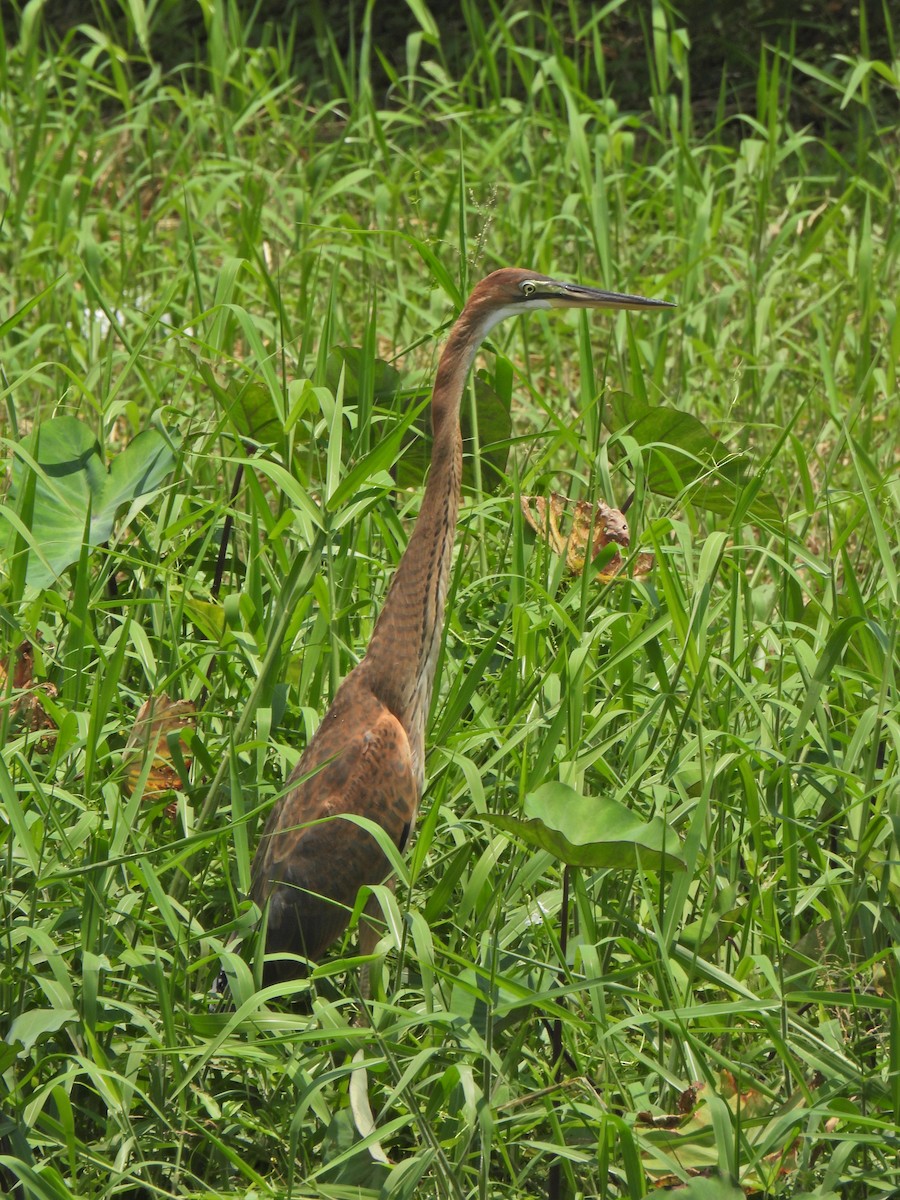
(230, 239)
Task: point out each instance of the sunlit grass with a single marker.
(185, 251)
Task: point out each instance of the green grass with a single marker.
(185, 251)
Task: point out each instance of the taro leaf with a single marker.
(34, 1024)
(207, 615)
(248, 406)
(680, 451)
(476, 999)
(591, 831)
(346, 1162)
(253, 413)
(494, 429)
(74, 481)
(708, 932)
(387, 380)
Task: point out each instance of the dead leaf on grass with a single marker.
(592, 527)
(688, 1136)
(26, 708)
(159, 723)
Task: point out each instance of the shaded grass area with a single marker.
(187, 260)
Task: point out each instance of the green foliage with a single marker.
(73, 501)
(681, 458)
(263, 268)
(591, 831)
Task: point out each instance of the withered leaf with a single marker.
(158, 720)
(27, 710)
(686, 1136)
(592, 527)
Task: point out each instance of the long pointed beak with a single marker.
(575, 295)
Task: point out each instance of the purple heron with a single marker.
(367, 757)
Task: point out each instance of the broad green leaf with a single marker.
(592, 831)
(75, 496)
(346, 1160)
(249, 407)
(680, 452)
(207, 615)
(253, 413)
(387, 380)
(475, 998)
(29, 1027)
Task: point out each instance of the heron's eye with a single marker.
(528, 289)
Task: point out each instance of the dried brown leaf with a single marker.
(158, 718)
(26, 708)
(592, 527)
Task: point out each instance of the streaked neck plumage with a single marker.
(403, 652)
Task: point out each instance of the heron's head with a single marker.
(512, 291)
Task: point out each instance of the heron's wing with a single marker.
(358, 762)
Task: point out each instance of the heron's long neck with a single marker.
(402, 654)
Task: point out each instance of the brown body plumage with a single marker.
(367, 757)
